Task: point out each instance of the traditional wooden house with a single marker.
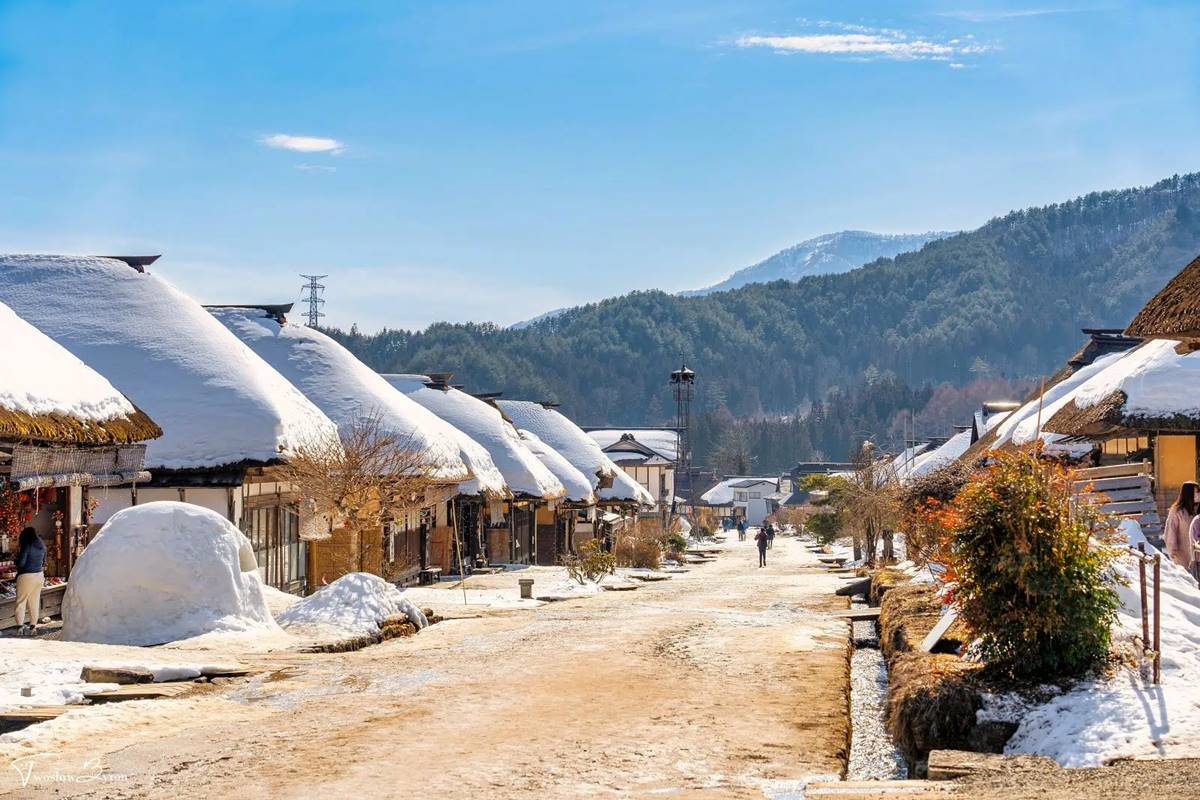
(352, 394)
(229, 419)
(510, 535)
(65, 431)
(745, 497)
(618, 497)
(555, 527)
(648, 455)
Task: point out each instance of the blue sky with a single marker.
(492, 160)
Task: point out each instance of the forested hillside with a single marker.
(1010, 296)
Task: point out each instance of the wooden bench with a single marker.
(430, 576)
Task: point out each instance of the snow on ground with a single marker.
(353, 605)
(161, 572)
(1124, 715)
(454, 595)
(51, 669)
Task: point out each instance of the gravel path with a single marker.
(726, 681)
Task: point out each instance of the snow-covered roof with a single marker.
(930, 460)
(49, 395)
(579, 488)
(522, 470)
(905, 458)
(218, 402)
(347, 390)
(723, 493)
(663, 441)
(565, 436)
(1020, 427)
(626, 490)
(1151, 384)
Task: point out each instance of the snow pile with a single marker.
(571, 441)
(930, 460)
(522, 471)
(1126, 715)
(353, 605)
(217, 402)
(343, 387)
(161, 572)
(1158, 382)
(38, 376)
(579, 488)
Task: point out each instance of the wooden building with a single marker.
(510, 526)
(229, 419)
(649, 456)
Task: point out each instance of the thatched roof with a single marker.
(1149, 388)
(48, 395)
(1173, 313)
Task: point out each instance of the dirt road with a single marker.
(727, 681)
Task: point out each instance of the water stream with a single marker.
(873, 756)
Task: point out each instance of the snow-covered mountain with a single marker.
(831, 253)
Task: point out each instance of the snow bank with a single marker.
(343, 387)
(1157, 382)
(161, 572)
(353, 605)
(1126, 715)
(52, 670)
(217, 402)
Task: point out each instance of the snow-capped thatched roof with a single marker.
(1152, 387)
(523, 472)
(626, 490)
(663, 442)
(1173, 313)
(560, 433)
(217, 402)
(49, 395)
(347, 390)
(579, 488)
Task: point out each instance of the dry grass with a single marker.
(63, 429)
(639, 545)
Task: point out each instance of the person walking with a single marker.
(741, 526)
(1194, 535)
(770, 535)
(31, 557)
(761, 540)
(1177, 532)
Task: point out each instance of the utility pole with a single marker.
(682, 383)
(314, 299)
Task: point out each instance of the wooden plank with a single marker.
(858, 614)
(1131, 507)
(862, 790)
(1114, 470)
(939, 630)
(33, 713)
(1117, 496)
(949, 765)
(1108, 484)
(142, 691)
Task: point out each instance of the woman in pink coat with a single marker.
(1177, 533)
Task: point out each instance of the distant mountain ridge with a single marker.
(830, 254)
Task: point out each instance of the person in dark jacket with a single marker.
(761, 540)
(31, 557)
(770, 535)
(741, 526)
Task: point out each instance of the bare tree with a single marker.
(359, 481)
(870, 499)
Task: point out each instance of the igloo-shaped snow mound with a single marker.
(161, 572)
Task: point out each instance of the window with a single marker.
(756, 495)
(739, 497)
(274, 534)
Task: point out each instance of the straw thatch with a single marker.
(1108, 417)
(1173, 313)
(66, 429)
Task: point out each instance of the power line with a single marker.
(314, 299)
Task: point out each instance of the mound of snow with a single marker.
(161, 572)
(1126, 715)
(353, 605)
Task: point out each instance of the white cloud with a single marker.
(996, 16)
(315, 168)
(867, 44)
(303, 144)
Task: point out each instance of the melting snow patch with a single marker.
(353, 605)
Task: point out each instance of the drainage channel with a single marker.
(873, 756)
